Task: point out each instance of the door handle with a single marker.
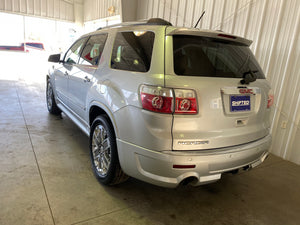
(86, 79)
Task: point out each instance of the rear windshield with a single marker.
(209, 57)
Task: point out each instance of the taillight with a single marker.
(158, 99)
(270, 99)
(185, 101)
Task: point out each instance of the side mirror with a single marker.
(54, 58)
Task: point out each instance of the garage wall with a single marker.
(55, 9)
(99, 9)
(274, 28)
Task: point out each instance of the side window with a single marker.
(132, 51)
(72, 54)
(93, 50)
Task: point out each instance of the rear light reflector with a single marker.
(270, 99)
(184, 166)
(162, 100)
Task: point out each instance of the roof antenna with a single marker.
(199, 19)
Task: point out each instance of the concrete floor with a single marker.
(45, 178)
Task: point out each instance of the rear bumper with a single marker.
(157, 167)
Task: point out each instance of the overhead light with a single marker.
(139, 33)
(111, 10)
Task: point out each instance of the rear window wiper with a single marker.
(249, 76)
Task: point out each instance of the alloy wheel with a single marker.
(101, 150)
(49, 96)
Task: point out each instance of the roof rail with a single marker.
(152, 21)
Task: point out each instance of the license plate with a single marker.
(239, 103)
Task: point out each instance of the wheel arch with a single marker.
(97, 109)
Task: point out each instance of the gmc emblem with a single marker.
(246, 91)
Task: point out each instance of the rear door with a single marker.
(230, 110)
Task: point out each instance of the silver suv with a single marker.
(164, 104)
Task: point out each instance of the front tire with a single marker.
(104, 154)
(51, 104)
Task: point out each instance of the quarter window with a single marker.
(133, 51)
(72, 54)
(93, 50)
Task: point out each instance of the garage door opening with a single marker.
(27, 42)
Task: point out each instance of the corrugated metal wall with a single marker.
(274, 28)
(98, 9)
(54, 9)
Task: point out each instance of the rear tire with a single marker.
(51, 104)
(104, 153)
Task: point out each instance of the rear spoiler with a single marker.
(208, 33)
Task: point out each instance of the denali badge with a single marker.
(193, 142)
